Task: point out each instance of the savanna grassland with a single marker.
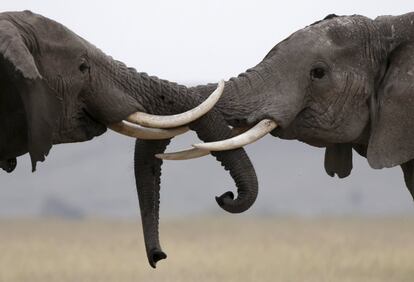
(210, 249)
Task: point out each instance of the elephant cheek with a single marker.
(355, 128)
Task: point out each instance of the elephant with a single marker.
(55, 87)
(343, 83)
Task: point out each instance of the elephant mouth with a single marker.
(83, 127)
(276, 132)
(91, 122)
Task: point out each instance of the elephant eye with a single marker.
(84, 67)
(317, 73)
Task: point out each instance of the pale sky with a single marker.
(196, 41)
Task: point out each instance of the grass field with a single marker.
(210, 249)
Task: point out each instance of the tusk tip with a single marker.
(183, 155)
(161, 156)
(199, 146)
(221, 84)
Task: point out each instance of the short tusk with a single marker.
(140, 132)
(177, 120)
(183, 155)
(250, 136)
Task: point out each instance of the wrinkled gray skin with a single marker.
(55, 87)
(342, 83)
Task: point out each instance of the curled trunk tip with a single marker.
(227, 202)
(154, 256)
(242, 171)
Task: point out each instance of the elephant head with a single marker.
(345, 82)
(55, 87)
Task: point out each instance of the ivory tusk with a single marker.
(177, 120)
(194, 152)
(250, 136)
(183, 155)
(140, 132)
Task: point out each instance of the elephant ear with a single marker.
(40, 103)
(392, 136)
(338, 160)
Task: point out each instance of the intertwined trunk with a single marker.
(162, 97)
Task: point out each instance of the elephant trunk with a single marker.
(163, 97)
(147, 177)
(171, 98)
(213, 127)
(250, 97)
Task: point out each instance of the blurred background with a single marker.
(194, 42)
(77, 217)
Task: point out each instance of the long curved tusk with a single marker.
(194, 152)
(137, 131)
(183, 155)
(250, 136)
(177, 120)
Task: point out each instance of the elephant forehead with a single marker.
(339, 30)
(305, 44)
(53, 46)
(312, 36)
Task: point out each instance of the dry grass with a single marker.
(210, 249)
